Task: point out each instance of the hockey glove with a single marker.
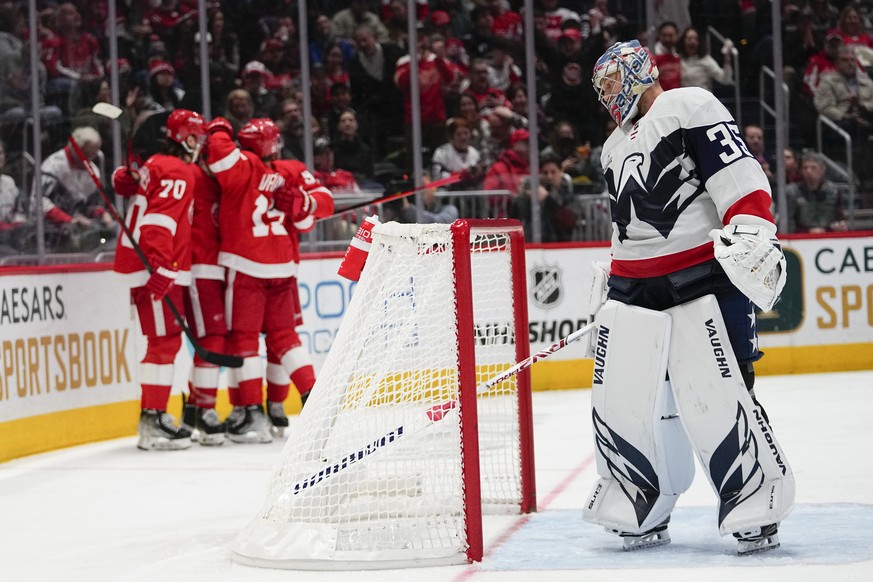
(295, 202)
(284, 198)
(160, 282)
(751, 258)
(125, 182)
(303, 206)
(220, 124)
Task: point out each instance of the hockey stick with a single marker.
(112, 112)
(435, 184)
(227, 360)
(434, 414)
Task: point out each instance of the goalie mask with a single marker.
(621, 76)
(260, 136)
(183, 123)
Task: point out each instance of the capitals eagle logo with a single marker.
(657, 195)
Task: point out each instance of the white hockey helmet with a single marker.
(636, 72)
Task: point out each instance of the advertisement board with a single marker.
(70, 342)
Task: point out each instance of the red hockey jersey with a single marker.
(253, 236)
(159, 217)
(204, 227)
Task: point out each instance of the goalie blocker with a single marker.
(642, 454)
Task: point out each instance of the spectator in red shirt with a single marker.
(454, 47)
(507, 23)
(851, 29)
(487, 97)
(667, 57)
(511, 167)
(434, 72)
(822, 62)
(275, 56)
(70, 56)
(166, 17)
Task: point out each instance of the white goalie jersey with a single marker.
(685, 151)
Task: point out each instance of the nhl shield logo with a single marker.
(547, 289)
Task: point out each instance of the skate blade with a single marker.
(632, 544)
(758, 547)
(278, 431)
(250, 438)
(212, 440)
(162, 444)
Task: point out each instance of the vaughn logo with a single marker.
(600, 354)
(548, 289)
(718, 349)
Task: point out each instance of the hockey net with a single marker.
(395, 455)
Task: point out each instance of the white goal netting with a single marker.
(379, 471)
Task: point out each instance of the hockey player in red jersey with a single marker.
(204, 309)
(261, 260)
(159, 217)
(303, 199)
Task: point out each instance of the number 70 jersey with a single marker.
(159, 217)
(680, 172)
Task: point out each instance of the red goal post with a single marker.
(397, 454)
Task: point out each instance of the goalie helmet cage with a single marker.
(395, 456)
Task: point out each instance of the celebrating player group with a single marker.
(214, 226)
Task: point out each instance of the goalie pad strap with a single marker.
(730, 434)
(643, 458)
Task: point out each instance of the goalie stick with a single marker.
(434, 415)
(435, 184)
(227, 360)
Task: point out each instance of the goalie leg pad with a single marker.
(729, 433)
(643, 460)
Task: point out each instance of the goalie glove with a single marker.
(751, 258)
(161, 281)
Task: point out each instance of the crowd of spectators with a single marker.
(471, 79)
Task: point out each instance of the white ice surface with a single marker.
(108, 512)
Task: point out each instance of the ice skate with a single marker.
(189, 417)
(760, 539)
(157, 431)
(249, 424)
(276, 412)
(209, 429)
(657, 536)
